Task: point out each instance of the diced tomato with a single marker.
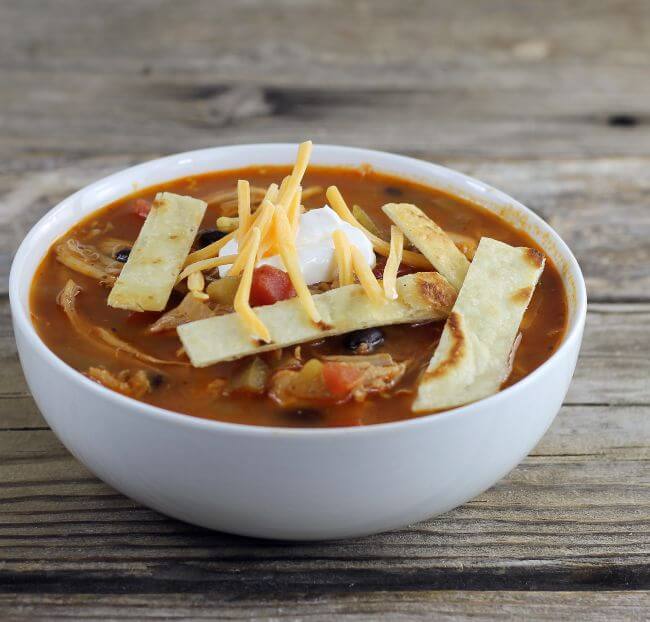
(141, 207)
(270, 285)
(340, 378)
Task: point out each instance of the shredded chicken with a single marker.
(217, 387)
(189, 310)
(319, 288)
(87, 260)
(134, 384)
(511, 357)
(379, 372)
(307, 386)
(111, 246)
(100, 336)
(303, 387)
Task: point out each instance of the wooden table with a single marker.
(548, 100)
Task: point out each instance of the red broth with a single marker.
(185, 389)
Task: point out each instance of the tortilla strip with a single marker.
(430, 240)
(157, 257)
(471, 360)
(422, 296)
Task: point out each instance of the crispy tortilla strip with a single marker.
(471, 360)
(430, 240)
(147, 279)
(422, 296)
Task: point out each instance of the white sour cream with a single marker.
(315, 246)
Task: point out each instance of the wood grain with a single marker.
(572, 515)
(445, 605)
(547, 100)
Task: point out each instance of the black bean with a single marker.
(156, 380)
(208, 236)
(392, 191)
(122, 255)
(364, 341)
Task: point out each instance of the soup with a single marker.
(359, 377)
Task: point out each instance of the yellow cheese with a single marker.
(291, 263)
(254, 326)
(338, 204)
(394, 260)
(343, 258)
(366, 277)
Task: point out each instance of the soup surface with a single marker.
(189, 390)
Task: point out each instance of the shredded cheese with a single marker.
(227, 223)
(271, 193)
(211, 250)
(338, 204)
(293, 214)
(291, 263)
(205, 264)
(366, 278)
(343, 258)
(394, 260)
(196, 285)
(283, 186)
(244, 207)
(253, 324)
(262, 221)
(298, 172)
(268, 231)
(265, 224)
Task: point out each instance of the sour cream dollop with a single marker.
(314, 245)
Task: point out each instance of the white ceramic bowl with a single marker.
(297, 484)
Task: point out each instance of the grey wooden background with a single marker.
(548, 100)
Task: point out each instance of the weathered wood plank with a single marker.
(573, 514)
(445, 605)
(336, 41)
(470, 85)
(547, 100)
(116, 114)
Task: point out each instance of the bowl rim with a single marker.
(20, 314)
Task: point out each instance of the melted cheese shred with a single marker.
(226, 224)
(211, 250)
(272, 229)
(243, 208)
(292, 264)
(196, 285)
(254, 326)
(394, 260)
(343, 258)
(298, 172)
(262, 221)
(338, 204)
(294, 211)
(205, 264)
(271, 193)
(366, 278)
